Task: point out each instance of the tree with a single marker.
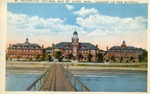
(58, 55)
(44, 54)
(112, 58)
(37, 57)
(131, 58)
(80, 56)
(140, 58)
(49, 58)
(18, 57)
(30, 59)
(99, 57)
(144, 56)
(89, 57)
(70, 56)
(121, 59)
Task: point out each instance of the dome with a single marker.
(123, 42)
(75, 33)
(27, 41)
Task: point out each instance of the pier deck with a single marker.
(56, 81)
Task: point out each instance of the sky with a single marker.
(102, 24)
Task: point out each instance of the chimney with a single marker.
(9, 45)
(107, 48)
(107, 53)
(96, 45)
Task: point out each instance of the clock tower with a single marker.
(75, 44)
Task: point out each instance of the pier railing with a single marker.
(37, 84)
(79, 86)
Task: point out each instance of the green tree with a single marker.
(121, 59)
(18, 57)
(49, 58)
(37, 57)
(131, 58)
(44, 54)
(112, 58)
(99, 57)
(80, 56)
(89, 57)
(58, 55)
(30, 59)
(70, 56)
(144, 56)
(140, 58)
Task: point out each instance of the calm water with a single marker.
(102, 82)
(115, 82)
(19, 82)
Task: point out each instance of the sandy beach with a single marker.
(74, 68)
(27, 67)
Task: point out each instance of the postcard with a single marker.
(69, 46)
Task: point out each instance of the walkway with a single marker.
(56, 81)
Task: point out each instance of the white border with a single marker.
(3, 33)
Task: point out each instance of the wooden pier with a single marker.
(57, 78)
(56, 81)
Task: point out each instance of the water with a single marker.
(101, 82)
(115, 82)
(19, 82)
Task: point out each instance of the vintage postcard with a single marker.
(75, 46)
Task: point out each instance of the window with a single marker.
(93, 52)
(82, 51)
(74, 51)
(66, 51)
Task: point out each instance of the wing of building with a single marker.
(124, 53)
(24, 51)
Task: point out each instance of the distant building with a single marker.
(123, 53)
(24, 51)
(75, 47)
(48, 50)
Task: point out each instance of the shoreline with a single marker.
(74, 68)
(96, 70)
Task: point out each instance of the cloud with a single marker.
(36, 24)
(91, 26)
(111, 30)
(84, 11)
(112, 24)
(20, 26)
(69, 7)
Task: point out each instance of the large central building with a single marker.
(75, 48)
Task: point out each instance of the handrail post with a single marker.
(40, 82)
(75, 79)
(81, 88)
(44, 76)
(34, 87)
(74, 83)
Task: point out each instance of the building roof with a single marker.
(68, 46)
(25, 45)
(125, 49)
